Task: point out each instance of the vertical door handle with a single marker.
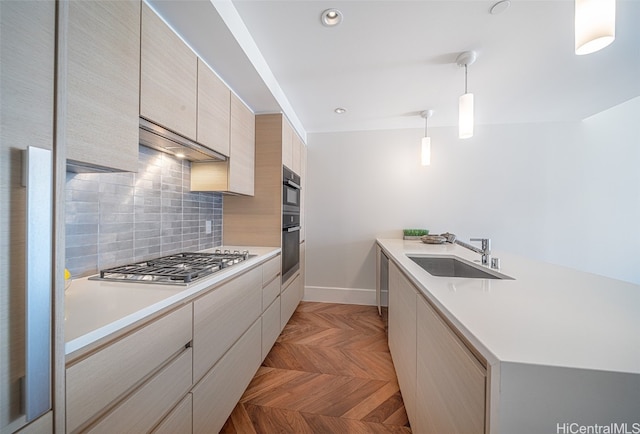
(38, 180)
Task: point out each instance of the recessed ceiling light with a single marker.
(331, 17)
(500, 7)
(180, 155)
(340, 110)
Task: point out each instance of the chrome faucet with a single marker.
(485, 250)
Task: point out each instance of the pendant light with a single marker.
(595, 24)
(465, 108)
(426, 140)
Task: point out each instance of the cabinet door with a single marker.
(287, 144)
(103, 83)
(242, 158)
(270, 326)
(296, 153)
(214, 105)
(303, 194)
(221, 316)
(27, 47)
(220, 390)
(402, 336)
(145, 407)
(237, 174)
(119, 367)
(450, 380)
(168, 77)
(180, 420)
(290, 298)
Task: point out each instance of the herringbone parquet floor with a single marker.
(329, 372)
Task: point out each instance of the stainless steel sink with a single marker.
(448, 266)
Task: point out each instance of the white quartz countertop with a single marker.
(97, 309)
(549, 315)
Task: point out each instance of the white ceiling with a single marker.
(389, 60)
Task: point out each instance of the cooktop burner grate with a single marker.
(177, 269)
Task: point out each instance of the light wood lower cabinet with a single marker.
(270, 326)
(221, 317)
(271, 305)
(402, 335)
(450, 380)
(217, 394)
(270, 270)
(442, 382)
(289, 299)
(98, 382)
(144, 408)
(144, 381)
(180, 420)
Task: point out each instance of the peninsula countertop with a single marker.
(547, 315)
(95, 310)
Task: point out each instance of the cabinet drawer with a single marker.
(180, 420)
(222, 316)
(220, 390)
(98, 380)
(270, 270)
(289, 300)
(270, 327)
(270, 292)
(145, 407)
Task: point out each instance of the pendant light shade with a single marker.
(465, 116)
(595, 24)
(425, 151)
(465, 103)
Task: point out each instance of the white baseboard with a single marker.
(360, 296)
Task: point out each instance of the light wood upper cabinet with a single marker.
(103, 73)
(168, 77)
(243, 149)
(257, 220)
(236, 175)
(303, 194)
(296, 154)
(287, 144)
(450, 390)
(214, 105)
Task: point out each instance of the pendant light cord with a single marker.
(465, 78)
(426, 120)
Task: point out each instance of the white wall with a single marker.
(567, 193)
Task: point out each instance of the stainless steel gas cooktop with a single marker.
(176, 269)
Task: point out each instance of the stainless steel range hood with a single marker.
(164, 140)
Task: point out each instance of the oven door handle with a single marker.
(292, 229)
(290, 183)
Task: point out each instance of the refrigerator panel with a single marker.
(27, 62)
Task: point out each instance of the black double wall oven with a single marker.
(290, 223)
